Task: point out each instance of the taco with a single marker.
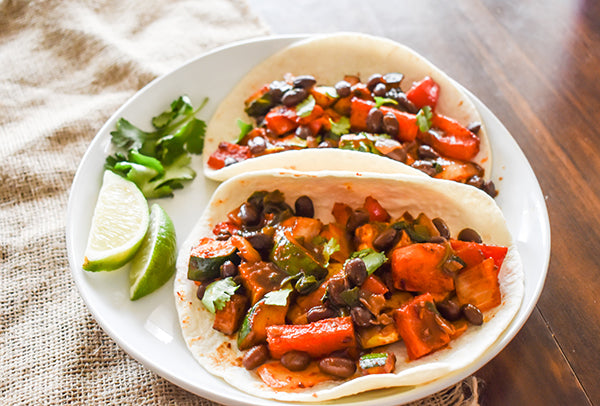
(347, 93)
(306, 287)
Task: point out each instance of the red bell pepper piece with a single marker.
(375, 210)
(228, 150)
(473, 253)
(359, 110)
(417, 268)
(424, 93)
(281, 120)
(374, 285)
(421, 327)
(478, 285)
(407, 124)
(318, 339)
(454, 140)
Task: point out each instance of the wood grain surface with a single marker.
(536, 65)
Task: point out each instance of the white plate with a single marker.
(148, 329)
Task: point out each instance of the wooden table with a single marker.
(536, 65)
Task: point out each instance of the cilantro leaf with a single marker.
(306, 106)
(424, 117)
(245, 128)
(341, 127)
(329, 248)
(158, 161)
(218, 293)
(380, 101)
(181, 106)
(278, 297)
(372, 259)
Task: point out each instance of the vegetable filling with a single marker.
(312, 301)
(376, 117)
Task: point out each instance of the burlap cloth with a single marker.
(65, 67)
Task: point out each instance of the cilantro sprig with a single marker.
(158, 161)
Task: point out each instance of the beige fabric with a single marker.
(65, 67)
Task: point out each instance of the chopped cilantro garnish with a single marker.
(245, 128)
(424, 117)
(372, 259)
(278, 297)
(218, 293)
(341, 127)
(158, 161)
(380, 101)
(306, 106)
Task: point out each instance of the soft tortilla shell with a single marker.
(329, 58)
(459, 205)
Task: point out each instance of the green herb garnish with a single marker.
(158, 161)
(380, 101)
(306, 106)
(424, 117)
(341, 127)
(218, 293)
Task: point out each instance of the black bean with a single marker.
(338, 366)
(468, 234)
(294, 96)
(404, 103)
(276, 90)
(303, 132)
(397, 154)
(295, 360)
(357, 219)
(260, 241)
(385, 240)
(373, 81)
(327, 144)
(304, 81)
(437, 239)
(304, 207)
(200, 291)
(356, 271)
(390, 124)
(334, 289)
(257, 145)
(489, 188)
(249, 215)
(476, 181)
(426, 152)
(375, 120)
(426, 167)
(442, 227)
(474, 127)
(379, 90)
(255, 357)
(229, 161)
(343, 88)
(360, 316)
(472, 314)
(228, 269)
(449, 309)
(317, 313)
(393, 79)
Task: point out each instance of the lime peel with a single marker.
(154, 263)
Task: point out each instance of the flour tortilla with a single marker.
(458, 204)
(328, 58)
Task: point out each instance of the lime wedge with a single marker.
(119, 224)
(154, 263)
